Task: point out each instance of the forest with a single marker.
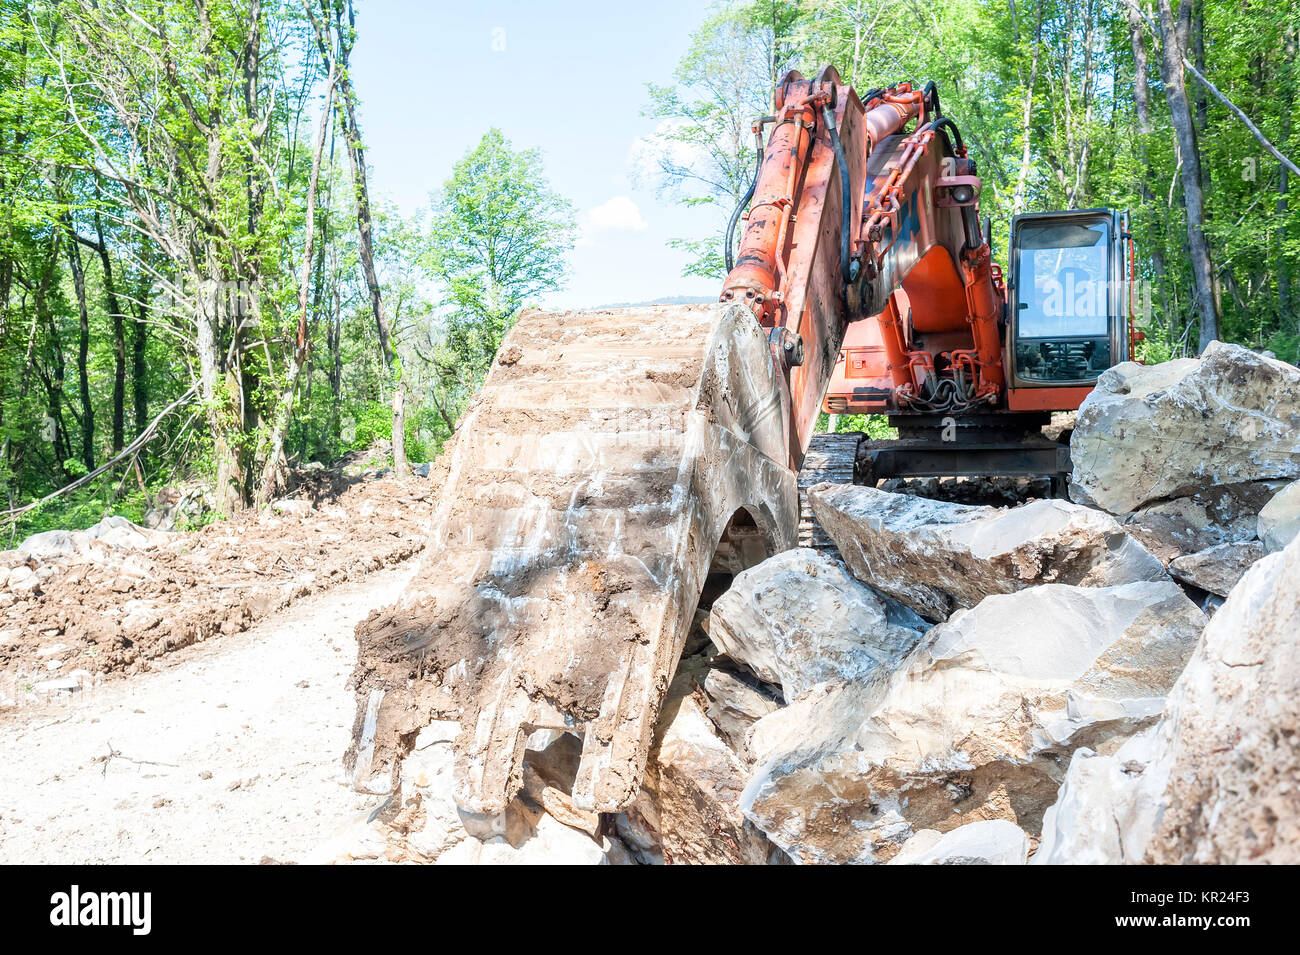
(199, 282)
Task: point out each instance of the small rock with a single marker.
(292, 507)
(1217, 569)
(22, 580)
(735, 706)
(989, 842)
(1279, 520)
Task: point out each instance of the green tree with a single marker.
(499, 239)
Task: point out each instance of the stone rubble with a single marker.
(976, 722)
(1217, 780)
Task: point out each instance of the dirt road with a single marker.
(228, 753)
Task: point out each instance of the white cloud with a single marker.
(619, 214)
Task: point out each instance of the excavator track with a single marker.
(613, 461)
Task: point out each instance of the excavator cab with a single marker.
(1068, 295)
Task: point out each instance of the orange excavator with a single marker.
(619, 466)
(899, 285)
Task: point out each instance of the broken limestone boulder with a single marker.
(292, 507)
(977, 723)
(688, 808)
(1150, 432)
(1279, 520)
(21, 580)
(1218, 779)
(736, 704)
(937, 557)
(989, 842)
(119, 533)
(1217, 569)
(1102, 814)
(799, 619)
(1213, 515)
(50, 545)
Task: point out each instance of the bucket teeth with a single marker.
(587, 492)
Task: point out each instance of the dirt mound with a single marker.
(111, 610)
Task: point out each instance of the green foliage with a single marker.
(1045, 93)
(498, 240)
(128, 155)
(872, 425)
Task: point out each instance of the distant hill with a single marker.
(670, 300)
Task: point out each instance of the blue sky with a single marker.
(564, 76)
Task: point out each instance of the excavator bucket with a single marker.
(613, 461)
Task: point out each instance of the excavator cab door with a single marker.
(1067, 302)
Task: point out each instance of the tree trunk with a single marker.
(139, 371)
(399, 427)
(83, 350)
(211, 301)
(355, 148)
(1281, 264)
(270, 481)
(1026, 119)
(1174, 35)
(119, 339)
(1142, 102)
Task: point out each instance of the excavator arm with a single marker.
(811, 262)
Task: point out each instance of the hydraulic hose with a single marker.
(848, 268)
(727, 253)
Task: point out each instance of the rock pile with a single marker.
(980, 684)
(1216, 780)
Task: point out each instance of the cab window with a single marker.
(1062, 300)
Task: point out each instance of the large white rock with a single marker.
(1148, 432)
(48, 545)
(428, 781)
(799, 619)
(1218, 779)
(937, 557)
(119, 533)
(1279, 520)
(1098, 817)
(975, 724)
(989, 842)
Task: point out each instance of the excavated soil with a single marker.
(111, 611)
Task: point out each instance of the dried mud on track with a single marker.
(110, 611)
